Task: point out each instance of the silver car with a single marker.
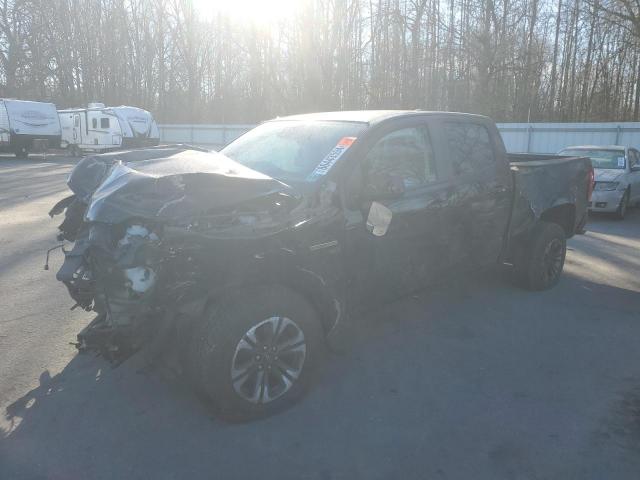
(617, 177)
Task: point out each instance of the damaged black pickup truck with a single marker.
(251, 261)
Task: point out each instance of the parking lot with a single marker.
(472, 379)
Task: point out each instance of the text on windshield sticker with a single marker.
(621, 161)
(332, 157)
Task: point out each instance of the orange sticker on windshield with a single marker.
(332, 157)
(346, 141)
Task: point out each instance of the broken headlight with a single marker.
(136, 254)
(140, 279)
(137, 232)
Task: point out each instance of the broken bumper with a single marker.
(116, 277)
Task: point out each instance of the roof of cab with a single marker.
(366, 116)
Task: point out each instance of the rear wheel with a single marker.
(540, 260)
(622, 208)
(74, 151)
(21, 152)
(257, 354)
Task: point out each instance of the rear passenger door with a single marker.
(481, 190)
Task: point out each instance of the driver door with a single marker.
(399, 172)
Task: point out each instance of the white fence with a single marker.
(518, 137)
(551, 137)
(205, 135)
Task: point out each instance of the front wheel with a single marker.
(622, 208)
(257, 354)
(540, 260)
(21, 152)
(74, 150)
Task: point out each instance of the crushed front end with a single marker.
(114, 271)
(139, 254)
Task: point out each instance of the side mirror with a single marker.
(378, 219)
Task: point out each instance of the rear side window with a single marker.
(104, 122)
(469, 146)
(94, 123)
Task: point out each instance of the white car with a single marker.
(617, 177)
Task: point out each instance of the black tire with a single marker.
(74, 151)
(21, 152)
(220, 340)
(540, 260)
(622, 208)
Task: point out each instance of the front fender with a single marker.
(319, 279)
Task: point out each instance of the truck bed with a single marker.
(546, 158)
(545, 183)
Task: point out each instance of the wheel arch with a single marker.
(563, 215)
(310, 285)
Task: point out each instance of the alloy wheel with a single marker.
(268, 360)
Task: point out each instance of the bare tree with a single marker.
(511, 59)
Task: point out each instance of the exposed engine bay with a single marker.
(147, 226)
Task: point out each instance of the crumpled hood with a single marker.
(608, 174)
(165, 184)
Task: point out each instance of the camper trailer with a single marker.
(99, 129)
(27, 126)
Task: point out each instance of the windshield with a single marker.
(291, 150)
(600, 158)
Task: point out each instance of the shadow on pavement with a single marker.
(470, 367)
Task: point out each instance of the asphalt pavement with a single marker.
(471, 379)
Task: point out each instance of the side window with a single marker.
(94, 123)
(401, 160)
(104, 122)
(633, 158)
(76, 120)
(469, 146)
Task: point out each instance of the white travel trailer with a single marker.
(99, 128)
(26, 125)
